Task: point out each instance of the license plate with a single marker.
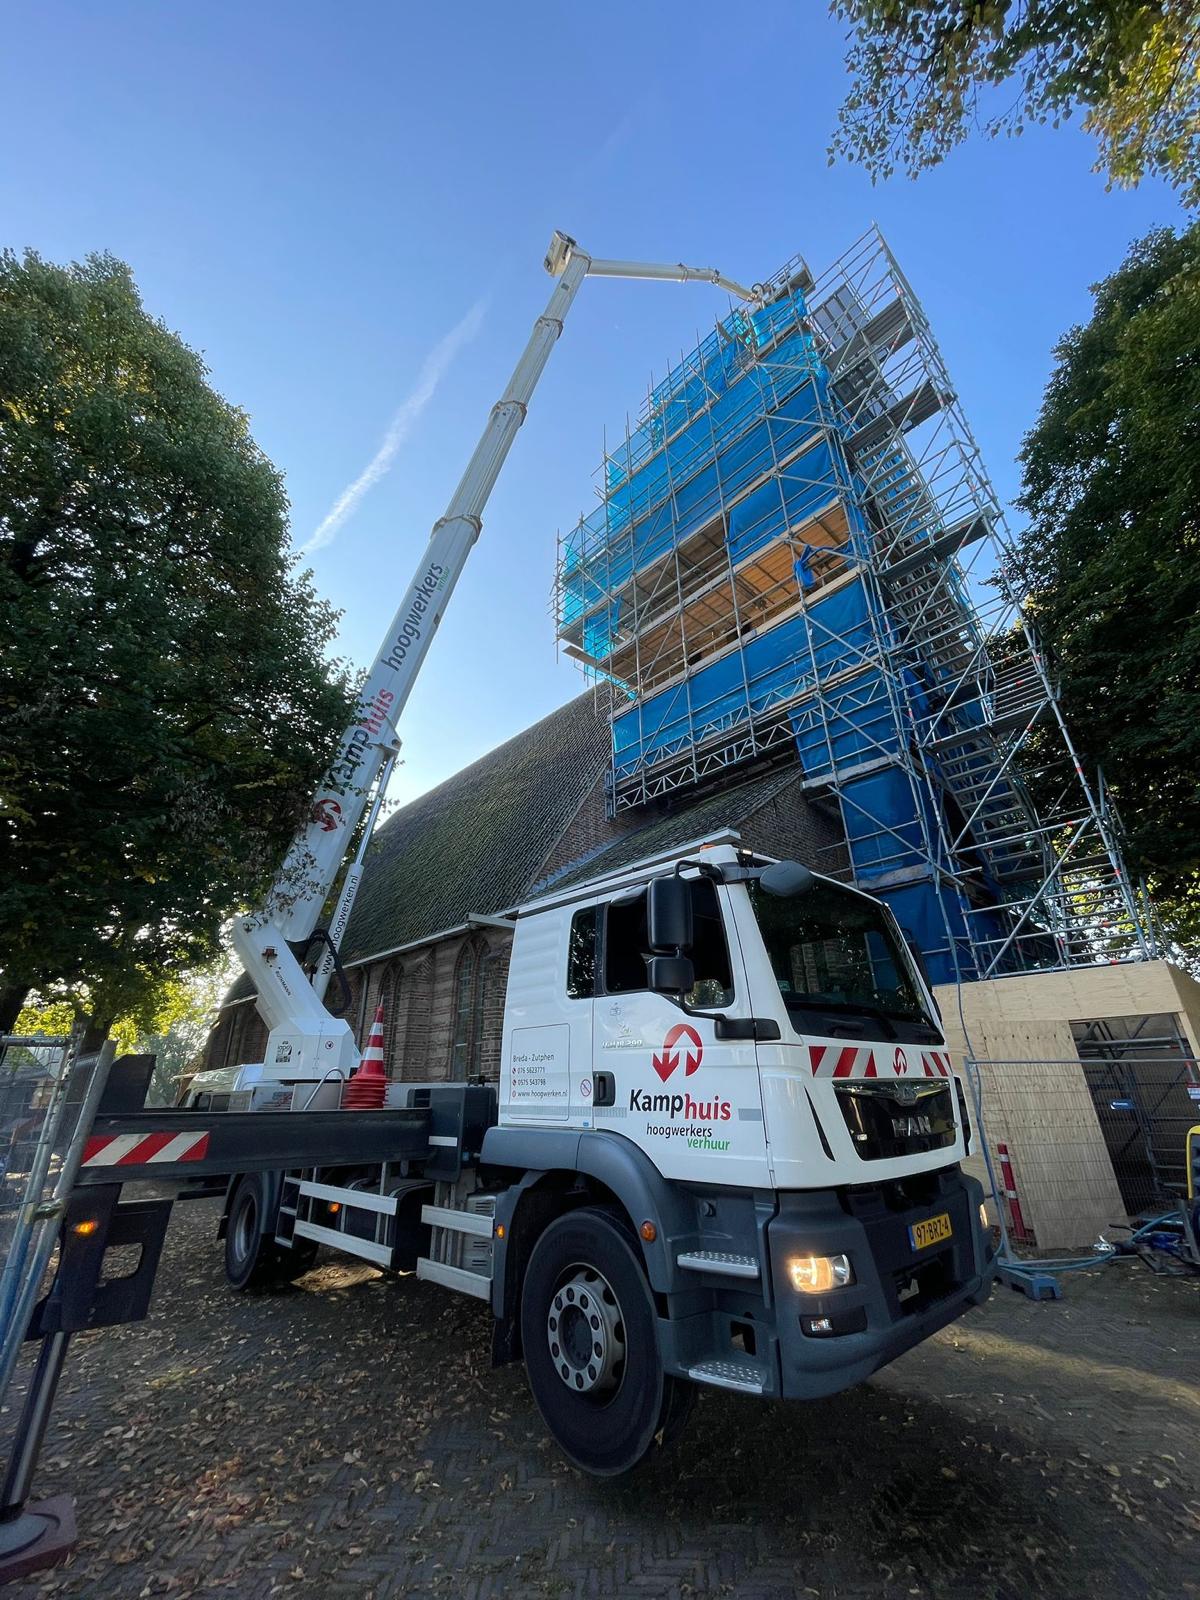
(934, 1230)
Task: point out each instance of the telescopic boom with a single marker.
(305, 1041)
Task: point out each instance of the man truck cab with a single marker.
(747, 1055)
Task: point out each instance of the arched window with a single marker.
(392, 995)
(468, 1009)
(415, 1062)
(360, 982)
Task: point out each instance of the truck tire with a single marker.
(252, 1258)
(590, 1345)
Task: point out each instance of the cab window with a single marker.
(627, 947)
(581, 955)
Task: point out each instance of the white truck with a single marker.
(725, 1146)
(724, 1149)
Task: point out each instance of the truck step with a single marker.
(744, 1376)
(718, 1261)
(474, 1222)
(473, 1283)
(364, 1199)
(348, 1243)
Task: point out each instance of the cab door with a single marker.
(546, 1075)
(687, 1097)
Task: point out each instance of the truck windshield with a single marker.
(839, 965)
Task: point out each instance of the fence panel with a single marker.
(48, 1096)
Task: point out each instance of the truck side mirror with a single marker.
(670, 975)
(669, 916)
(785, 879)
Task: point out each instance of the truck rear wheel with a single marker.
(252, 1258)
(591, 1349)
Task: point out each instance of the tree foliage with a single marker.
(1111, 555)
(172, 1024)
(165, 697)
(923, 72)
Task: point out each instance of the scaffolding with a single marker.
(798, 556)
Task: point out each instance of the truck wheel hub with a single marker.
(585, 1332)
(245, 1227)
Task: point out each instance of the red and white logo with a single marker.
(668, 1059)
(327, 814)
(899, 1063)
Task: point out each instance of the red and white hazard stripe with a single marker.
(876, 1061)
(374, 1050)
(143, 1149)
(1010, 1193)
(842, 1061)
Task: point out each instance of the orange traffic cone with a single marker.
(366, 1089)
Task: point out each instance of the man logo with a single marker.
(911, 1127)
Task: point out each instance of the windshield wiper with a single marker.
(889, 1019)
(843, 1008)
(880, 1016)
(930, 1033)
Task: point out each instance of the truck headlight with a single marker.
(818, 1274)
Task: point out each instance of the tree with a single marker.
(922, 70)
(165, 697)
(1111, 556)
(172, 1025)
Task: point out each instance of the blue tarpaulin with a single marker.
(833, 635)
(756, 441)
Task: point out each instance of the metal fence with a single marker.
(1145, 1085)
(1146, 1096)
(48, 1095)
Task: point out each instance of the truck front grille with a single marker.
(886, 1120)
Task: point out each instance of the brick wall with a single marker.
(588, 830)
(420, 996)
(790, 826)
(494, 989)
(240, 1036)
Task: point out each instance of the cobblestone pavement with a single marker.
(347, 1437)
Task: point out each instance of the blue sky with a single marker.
(315, 195)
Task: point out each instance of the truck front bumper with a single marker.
(900, 1294)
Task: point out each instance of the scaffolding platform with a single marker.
(798, 555)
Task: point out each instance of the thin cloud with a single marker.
(433, 369)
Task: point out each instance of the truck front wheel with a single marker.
(252, 1258)
(591, 1350)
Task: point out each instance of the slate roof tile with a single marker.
(729, 808)
(479, 841)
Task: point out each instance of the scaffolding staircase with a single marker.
(973, 699)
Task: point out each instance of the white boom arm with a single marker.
(305, 1041)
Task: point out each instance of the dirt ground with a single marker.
(348, 1437)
